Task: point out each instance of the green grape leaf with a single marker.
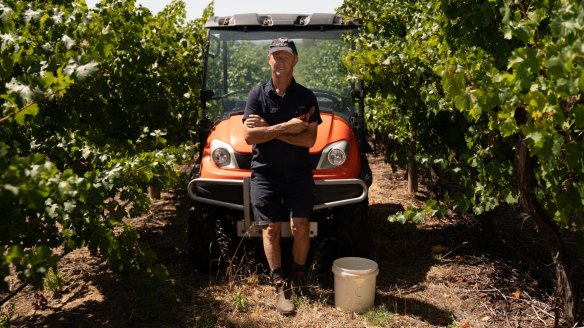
(556, 66)
(578, 113)
(31, 109)
(6, 66)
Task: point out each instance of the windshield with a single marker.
(237, 61)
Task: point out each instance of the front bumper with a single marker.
(234, 194)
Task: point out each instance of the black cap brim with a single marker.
(287, 49)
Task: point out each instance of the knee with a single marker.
(272, 231)
(299, 226)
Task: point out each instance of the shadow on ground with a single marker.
(403, 252)
(134, 301)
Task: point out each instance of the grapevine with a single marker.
(491, 92)
(97, 105)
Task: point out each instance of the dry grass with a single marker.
(434, 274)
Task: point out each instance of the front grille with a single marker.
(244, 160)
(331, 193)
(225, 193)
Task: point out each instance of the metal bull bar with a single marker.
(245, 184)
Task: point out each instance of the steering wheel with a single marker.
(327, 94)
(235, 107)
(231, 93)
(337, 101)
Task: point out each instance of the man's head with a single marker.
(282, 57)
(283, 44)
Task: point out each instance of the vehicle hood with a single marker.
(332, 128)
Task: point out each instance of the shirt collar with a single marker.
(270, 86)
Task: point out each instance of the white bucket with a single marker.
(355, 279)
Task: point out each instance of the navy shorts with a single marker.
(281, 196)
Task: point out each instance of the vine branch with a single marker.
(11, 115)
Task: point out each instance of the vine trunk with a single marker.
(565, 291)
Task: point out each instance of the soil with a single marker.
(456, 272)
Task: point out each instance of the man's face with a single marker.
(282, 62)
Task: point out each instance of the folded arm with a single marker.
(307, 138)
(295, 131)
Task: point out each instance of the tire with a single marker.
(202, 243)
(352, 233)
(366, 174)
(203, 248)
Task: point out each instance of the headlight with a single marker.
(221, 157)
(334, 155)
(222, 154)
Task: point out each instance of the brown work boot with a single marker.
(284, 305)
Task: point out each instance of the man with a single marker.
(281, 119)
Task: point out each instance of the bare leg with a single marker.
(300, 231)
(271, 235)
(271, 240)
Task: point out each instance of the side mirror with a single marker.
(206, 95)
(204, 123)
(358, 94)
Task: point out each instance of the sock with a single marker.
(277, 275)
(299, 268)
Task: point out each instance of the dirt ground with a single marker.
(440, 273)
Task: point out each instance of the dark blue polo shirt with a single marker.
(263, 101)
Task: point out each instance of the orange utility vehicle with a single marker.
(235, 62)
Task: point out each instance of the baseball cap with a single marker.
(283, 43)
